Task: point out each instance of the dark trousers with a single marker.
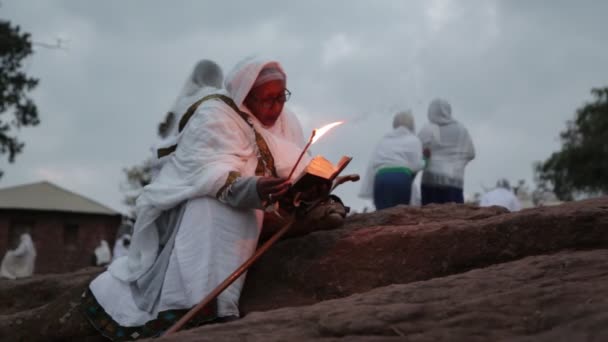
(391, 189)
(441, 194)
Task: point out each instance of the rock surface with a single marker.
(401, 245)
(28, 293)
(463, 272)
(560, 297)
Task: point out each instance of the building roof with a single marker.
(49, 197)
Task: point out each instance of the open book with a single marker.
(319, 171)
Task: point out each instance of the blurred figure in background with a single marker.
(501, 196)
(206, 79)
(448, 148)
(19, 262)
(103, 255)
(394, 164)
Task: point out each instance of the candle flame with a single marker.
(319, 132)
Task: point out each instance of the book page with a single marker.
(344, 161)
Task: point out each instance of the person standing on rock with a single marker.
(393, 165)
(448, 148)
(200, 219)
(19, 262)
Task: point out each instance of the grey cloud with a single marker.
(514, 72)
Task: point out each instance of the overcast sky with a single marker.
(514, 72)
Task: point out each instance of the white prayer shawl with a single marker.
(213, 238)
(119, 247)
(19, 262)
(500, 197)
(449, 142)
(398, 148)
(103, 255)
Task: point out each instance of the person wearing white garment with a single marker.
(501, 196)
(121, 246)
(206, 78)
(19, 262)
(103, 255)
(448, 148)
(394, 164)
(200, 219)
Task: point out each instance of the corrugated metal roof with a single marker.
(48, 196)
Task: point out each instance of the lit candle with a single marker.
(314, 137)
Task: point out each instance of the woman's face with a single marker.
(266, 101)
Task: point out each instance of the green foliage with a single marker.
(582, 164)
(15, 47)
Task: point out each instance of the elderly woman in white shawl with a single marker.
(201, 218)
(19, 262)
(394, 164)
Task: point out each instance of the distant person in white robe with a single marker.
(416, 199)
(206, 78)
(121, 246)
(448, 148)
(501, 196)
(200, 219)
(394, 164)
(103, 255)
(19, 262)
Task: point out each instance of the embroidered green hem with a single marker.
(395, 169)
(110, 329)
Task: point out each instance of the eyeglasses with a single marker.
(268, 103)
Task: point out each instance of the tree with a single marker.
(140, 175)
(581, 167)
(15, 47)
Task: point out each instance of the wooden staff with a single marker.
(231, 278)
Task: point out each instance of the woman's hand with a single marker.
(271, 188)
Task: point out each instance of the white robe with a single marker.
(501, 197)
(213, 239)
(398, 148)
(103, 255)
(19, 262)
(450, 144)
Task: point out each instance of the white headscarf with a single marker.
(440, 112)
(19, 262)
(405, 119)
(216, 140)
(206, 77)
